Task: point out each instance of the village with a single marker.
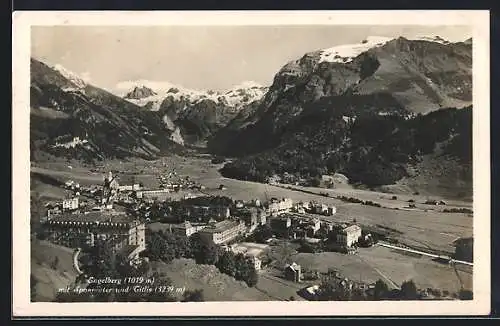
(126, 214)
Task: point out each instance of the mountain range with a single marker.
(375, 110)
(365, 110)
(72, 118)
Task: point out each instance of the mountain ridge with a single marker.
(79, 120)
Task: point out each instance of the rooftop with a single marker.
(352, 228)
(114, 217)
(294, 266)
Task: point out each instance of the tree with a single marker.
(242, 267)
(156, 247)
(381, 290)
(36, 211)
(101, 261)
(333, 291)
(408, 290)
(263, 233)
(204, 252)
(227, 263)
(194, 296)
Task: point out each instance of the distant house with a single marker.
(293, 272)
(279, 206)
(313, 227)
(349, 236)
(322, 209)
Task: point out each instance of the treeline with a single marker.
(166, 246)
(336, 290)
(371, 149)
(358, 201)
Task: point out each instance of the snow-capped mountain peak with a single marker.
(436, 39)
(140, 92)
(71, 76)
(347, 52)
(239, 95)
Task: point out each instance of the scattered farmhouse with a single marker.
(349, 236)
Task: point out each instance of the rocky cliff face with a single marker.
(332, 110)
(139, 93)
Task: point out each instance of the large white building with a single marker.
(349, 236)
(224, 231)
(70, 204)
(78, 230)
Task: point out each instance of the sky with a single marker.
(200, 57)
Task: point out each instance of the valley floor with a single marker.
(426, 226)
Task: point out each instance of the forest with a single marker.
(371, 149)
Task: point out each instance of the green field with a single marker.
(374, 263)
